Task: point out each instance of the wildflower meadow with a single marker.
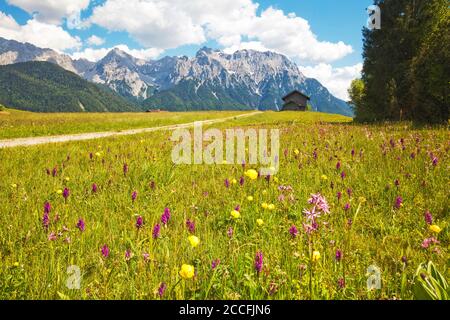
(353, 212)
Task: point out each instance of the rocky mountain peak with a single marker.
(244, 79)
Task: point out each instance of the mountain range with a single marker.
(211, 80)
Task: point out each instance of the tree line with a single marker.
(406, 64)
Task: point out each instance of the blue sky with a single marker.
(322, 36)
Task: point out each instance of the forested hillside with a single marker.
(46, 87)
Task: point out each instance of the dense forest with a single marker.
(46, 87)
(406, 64)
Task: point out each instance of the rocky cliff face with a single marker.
(212, 79)
(14, 52)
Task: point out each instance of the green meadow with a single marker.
(20, 124)
(94, 207)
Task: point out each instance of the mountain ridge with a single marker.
(212, 79)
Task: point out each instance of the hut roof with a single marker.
(295, 92)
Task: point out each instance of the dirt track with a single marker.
(20, 142)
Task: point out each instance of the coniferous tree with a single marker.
(431, 67)
(405, 72)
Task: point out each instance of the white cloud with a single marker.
(52, 11)
(250, 45)
(337, 80)
(152, 23)
(95, 41)
(233, 24)
(40, 34)
(292, 36)
(97, 54)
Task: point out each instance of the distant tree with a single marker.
(356, 95)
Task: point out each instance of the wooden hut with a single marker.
(295, 101)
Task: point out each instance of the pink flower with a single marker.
(162, 288)
(338, 255)
(435, 161)
(156, 231)
(215, 263)
(258, 261)
(320, 202)
(165, 216)
(81, 225)
(105, 251)
(398, 202)
(293, 231)
(190, 225)
(52, 236)
(428, 217)
(139, 222)
(66, 193)
(429, 241)
(341, 283)
(128, 255)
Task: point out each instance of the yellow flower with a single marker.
(250, 198)
(13, 185)
(275, 179)
(59, 191)
(435, 228)
(260, 222)
(324, 177)
(264, 205)
(252, 174)
(271, 206)
(16, 264)
(233, 181)
(224, 162)
(235, 214)
(187, 271)
(98, 154)
(194, 241)
(315, 256)
(296, 152)
(362, 199)
(264, 192)
(67, 179)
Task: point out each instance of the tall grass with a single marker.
(363, 224)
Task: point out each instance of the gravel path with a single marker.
(20, 142)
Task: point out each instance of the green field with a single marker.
(370, 166)
(19, 124)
